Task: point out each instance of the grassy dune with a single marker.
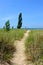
(16, 34)
(7, 39)
(34, 47)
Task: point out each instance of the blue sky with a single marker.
(32, 12)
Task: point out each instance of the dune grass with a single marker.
(34, 46)
(7, 39)
(16, 34)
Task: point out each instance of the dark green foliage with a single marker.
(19, 21)
(12, 27)
(7, 25)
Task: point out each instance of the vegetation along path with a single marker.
(19, 56)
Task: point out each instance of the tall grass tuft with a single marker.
(34, 46)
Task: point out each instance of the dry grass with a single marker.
(34, 46)
(7, 39)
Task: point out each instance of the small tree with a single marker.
(19, 21)
(3, 27)
(7, 25)
(12, 27)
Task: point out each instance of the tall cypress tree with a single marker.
(19, 21)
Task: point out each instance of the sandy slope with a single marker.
(19, 56)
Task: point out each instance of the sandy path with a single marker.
(19, 55)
